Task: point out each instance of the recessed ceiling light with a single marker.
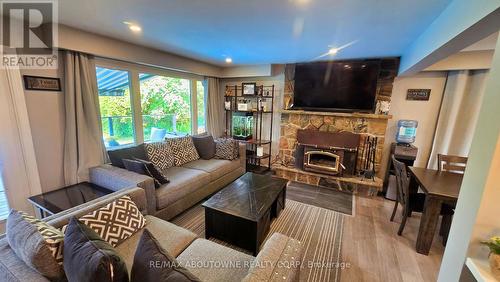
(133, 27)
(333, 51)
(229, 60)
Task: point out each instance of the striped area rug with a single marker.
(319, 229)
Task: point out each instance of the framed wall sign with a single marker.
(249, 88)
(418, 94)
(41, 83)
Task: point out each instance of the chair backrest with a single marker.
(403, 183)
(454, 164)
(157, 134)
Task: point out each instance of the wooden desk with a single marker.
(439, 187)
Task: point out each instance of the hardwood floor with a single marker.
(376, 253)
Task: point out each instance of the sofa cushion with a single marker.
(216, 168)
(12, 268)
(160, 154)
(202, 250)
(116, 221)
(182, 182)
(172, 238)
(285, 252)
(87, 257)
(164, 266)
(35, 242)
(183, 149)
(116, 156)
(205, 146)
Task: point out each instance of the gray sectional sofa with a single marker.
(188, 184)
(205, 259)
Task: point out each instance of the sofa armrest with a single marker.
(136, 194)
(243, 154)
(115, 178)
(278, 260)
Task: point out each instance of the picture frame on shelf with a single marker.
(249, 88)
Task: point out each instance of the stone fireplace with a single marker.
(304, 160)
(302, 132)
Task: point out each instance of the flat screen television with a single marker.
(338, 86)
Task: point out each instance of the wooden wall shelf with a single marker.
(348, 115)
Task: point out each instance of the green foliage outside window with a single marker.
(162, 98)
(165, 104)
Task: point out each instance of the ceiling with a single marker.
(259, 31)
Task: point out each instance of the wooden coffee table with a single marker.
(241, 213)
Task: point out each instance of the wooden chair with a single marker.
(410, 202)
(454, 164)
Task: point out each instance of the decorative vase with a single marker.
(495, 265)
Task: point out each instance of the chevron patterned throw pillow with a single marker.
(116, 221)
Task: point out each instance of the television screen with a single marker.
(336, 85)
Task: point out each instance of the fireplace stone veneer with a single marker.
(291, 154)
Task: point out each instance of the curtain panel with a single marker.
(83, 144)
(215, 107)
(458, 114)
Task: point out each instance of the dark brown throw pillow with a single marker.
(146, 168)
(154, 171)
(205, 146)
(88, 258)
(153, 263)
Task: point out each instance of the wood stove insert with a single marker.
(332, 153)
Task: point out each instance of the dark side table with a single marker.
(65, 198)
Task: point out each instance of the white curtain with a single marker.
(215, 107)
(83, 143)
(458, 115)
(18, 165)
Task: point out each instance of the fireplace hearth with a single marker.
(332, 153)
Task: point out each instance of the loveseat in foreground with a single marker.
(209, 261)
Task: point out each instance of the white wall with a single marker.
(46, 115)
(425, 112)
(470, 60)
(82, 41)
(478, 190)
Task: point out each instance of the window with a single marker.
(201, 106)
(115, 107)
(4, 205)
(166, 106)
(144, 104)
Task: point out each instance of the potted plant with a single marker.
(494, 244)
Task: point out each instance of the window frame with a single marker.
(134, 128)
(135, 92)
